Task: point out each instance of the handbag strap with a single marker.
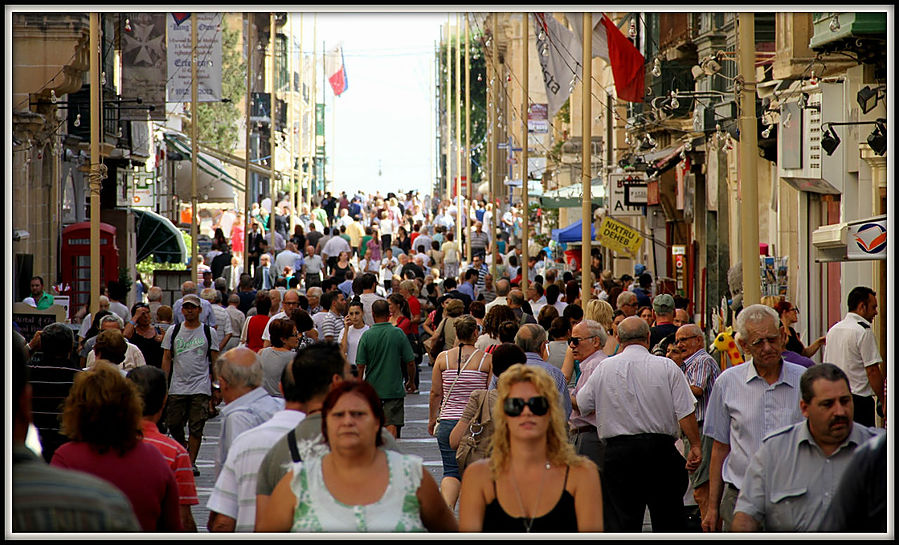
(453, 385)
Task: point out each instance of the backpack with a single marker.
(208, 339)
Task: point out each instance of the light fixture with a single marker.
(803, 101)
(767, 132)
(127, 24)
(657, 68)
(878, 139)
(77, 122)
(835, 23)
(53, 96)
(867, 98)
(812, 79)
(632, 31)
(830, 140)
(542, 35)
(710, 66)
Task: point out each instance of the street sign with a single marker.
(679, 253)
(619, 237)
(619, 204)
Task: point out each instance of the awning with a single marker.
(214, 183)
(157, 236)
(572, 233)
(572, 196)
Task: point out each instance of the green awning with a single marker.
(572, 196)
(157, 236)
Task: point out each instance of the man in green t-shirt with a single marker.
(381, 353)
(39, 299)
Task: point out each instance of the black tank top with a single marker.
(561, 518)
(151, 349)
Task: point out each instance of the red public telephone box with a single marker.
(76, 261)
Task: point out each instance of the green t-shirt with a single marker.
(383, 350)
(364, 245)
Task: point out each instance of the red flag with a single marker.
(627, 63)
(336, 70)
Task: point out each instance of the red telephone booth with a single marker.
(76, 261)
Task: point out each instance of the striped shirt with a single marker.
(701, 370)
(743, 409)
(331, 326)
(234, 494)
(468, 381)
(177, 458)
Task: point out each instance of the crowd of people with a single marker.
(582, 411)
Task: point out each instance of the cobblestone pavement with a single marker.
(414, 439)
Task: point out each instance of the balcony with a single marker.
(861, 33)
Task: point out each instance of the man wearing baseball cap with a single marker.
(189, 352)
(663, 305)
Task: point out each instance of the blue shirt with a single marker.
(743, 409)
(467, 289)
(558, 378)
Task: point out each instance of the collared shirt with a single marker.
(558, 378)
(468, 289)
(701, 370)
(178, 459)
(43, 302)
(588, 365)
(266, 336)
(744, 408)
(636, 392)
(790, 482)
(234, 494)
(245, 412)
(500, 300)
(851, 346)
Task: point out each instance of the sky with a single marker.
(386, 118)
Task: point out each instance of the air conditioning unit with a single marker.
(830, 236)
(800, 159)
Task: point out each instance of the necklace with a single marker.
(528, 522)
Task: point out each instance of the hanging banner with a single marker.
(619, 237)
(144, 64)
(209, 57)
(538, 118)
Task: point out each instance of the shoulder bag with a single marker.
(475, 442)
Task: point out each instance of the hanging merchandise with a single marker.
(773, 271)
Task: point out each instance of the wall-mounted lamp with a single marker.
(867, 98)
(877, 139)
(830, 141)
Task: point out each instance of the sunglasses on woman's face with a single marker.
(513, 406)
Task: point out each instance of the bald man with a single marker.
(247, 403)
(641, 402)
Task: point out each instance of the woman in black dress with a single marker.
(532, 481)
(789, 315)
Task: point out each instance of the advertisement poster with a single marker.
(209, 57)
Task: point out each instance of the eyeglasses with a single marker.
(285, 303)
(513, 406)
(685, 339)
(574, 341)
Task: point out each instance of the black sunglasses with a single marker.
(513, 406)
(574, 341)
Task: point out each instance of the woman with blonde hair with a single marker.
(533, 481)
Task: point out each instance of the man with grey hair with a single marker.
(206, 315)
(794, 475)
(516, 303)
(247, 403)
(627, 303)
(641, 402)
(701, 371)
(154, 301)
(221, 315)
(133, 356)
(586, 342)
(747, 403)
(532, 339)
(503, 286)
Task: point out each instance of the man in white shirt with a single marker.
(290, 302)
(222, 320)
(851, 346)
(288, 258)
(640, 402)
(369, 295)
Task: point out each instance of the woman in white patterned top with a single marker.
(357, 486)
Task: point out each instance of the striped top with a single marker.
(701, 370)
(469, 380)
(234, 494)
(177, 458)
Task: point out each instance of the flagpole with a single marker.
(324, 125)
(290, 122)
(458, 101)
(586, 118)
(194, 126)
(271, 133)
(749, 219)
(449, 130)
(95, 179)
(525, 213)
(303, 179)
(468, 208)
(313, 182)
(491, 111)
(247, 176)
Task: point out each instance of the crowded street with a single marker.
(262, 284)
